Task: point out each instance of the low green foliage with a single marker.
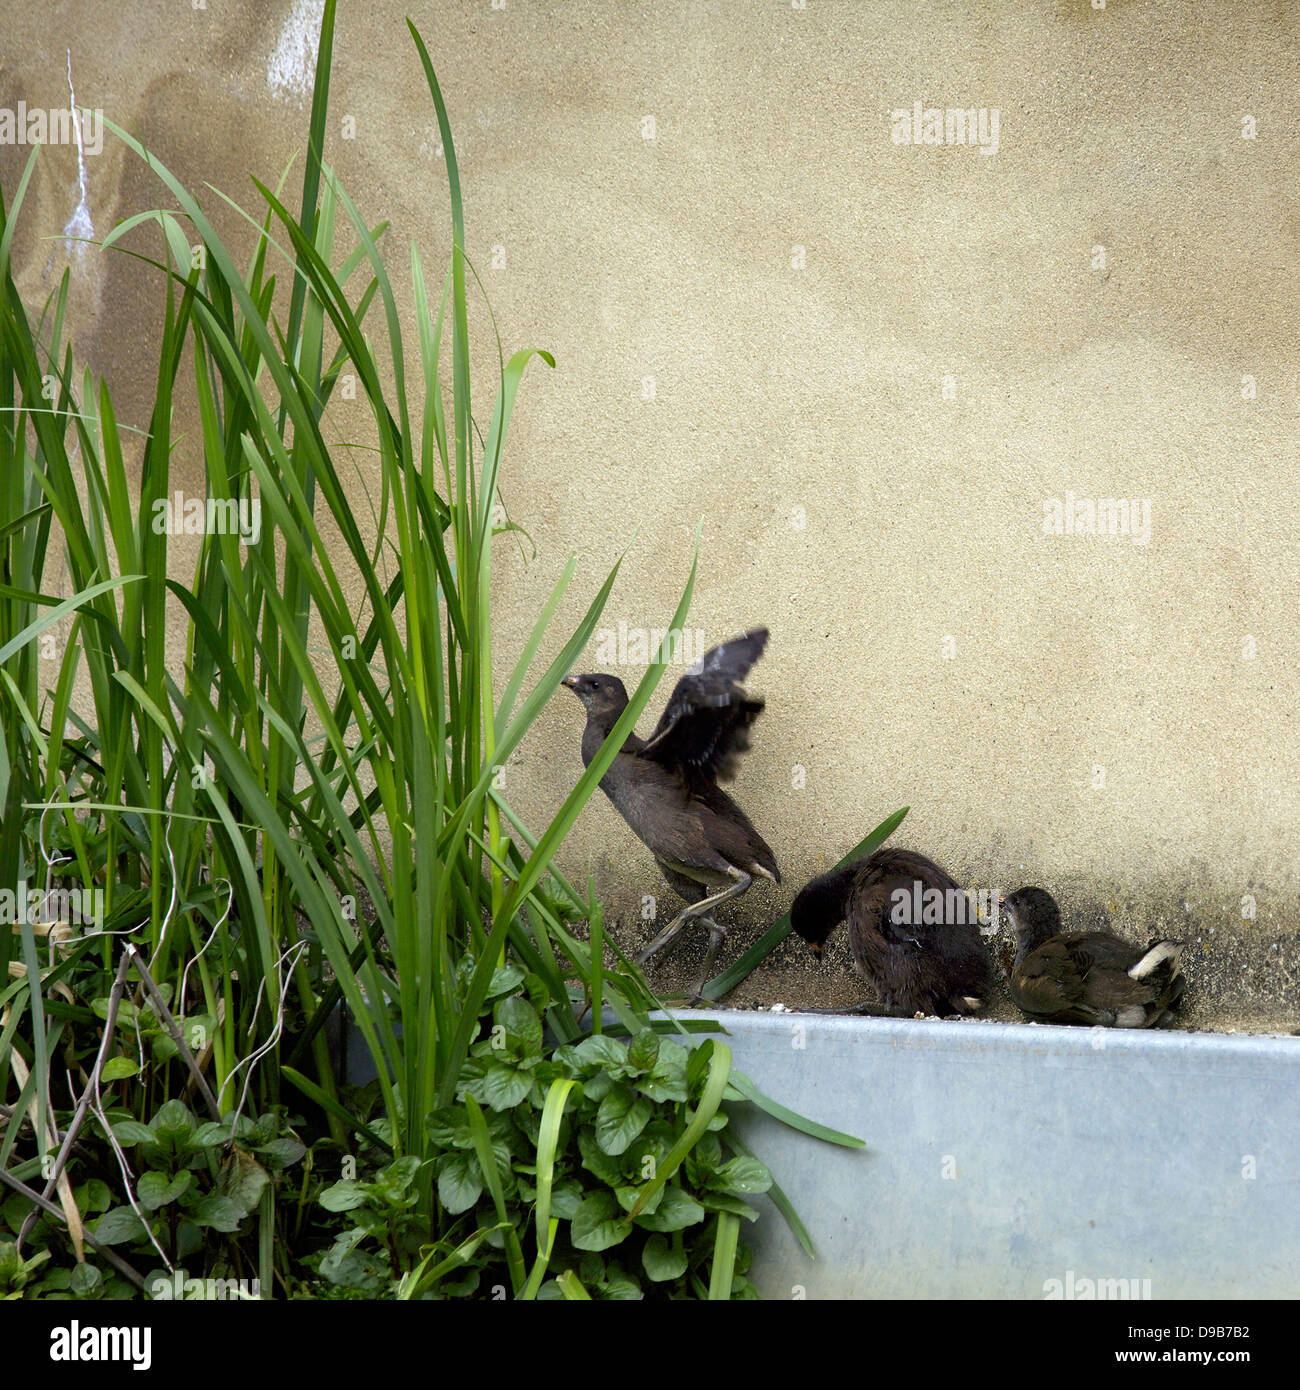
(197, 1188)
(631, 1220)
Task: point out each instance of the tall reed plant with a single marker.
(307, 754)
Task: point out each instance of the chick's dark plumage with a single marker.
(665, 787)
(916, 966)
(1088, 977)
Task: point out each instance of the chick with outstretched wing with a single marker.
(666, 787)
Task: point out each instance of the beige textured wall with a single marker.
(808, 387)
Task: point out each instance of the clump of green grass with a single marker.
(310, 754)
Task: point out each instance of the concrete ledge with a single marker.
(1002, 1157)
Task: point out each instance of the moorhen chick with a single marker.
(916, 967)
(1088, 977)
(666, 787)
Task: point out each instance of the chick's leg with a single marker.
(702, 908)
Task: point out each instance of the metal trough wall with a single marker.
(1016, 1161)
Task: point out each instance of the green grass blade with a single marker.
(487, 1162)
(597, 929)
(34, 629)
(327, 1102)
(746, 1087)
(710, 1100)
(571, 1287)
(414, 1282)
(11, 220)
(547, 1140)
(779, 1198)
(723, 1271)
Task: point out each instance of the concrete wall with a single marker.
(872, 365)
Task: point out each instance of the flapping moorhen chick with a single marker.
(665, 786)
(940, 966)
(1088, 976)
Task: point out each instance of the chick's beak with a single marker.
(571, 682)
(816, 949)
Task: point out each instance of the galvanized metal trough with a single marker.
(1025, 1161)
